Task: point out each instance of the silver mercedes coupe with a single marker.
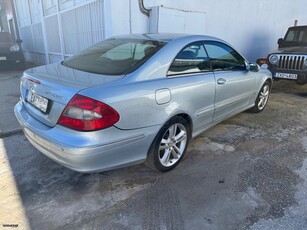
(136, 98)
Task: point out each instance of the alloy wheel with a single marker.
(172, 145)
(263, 97)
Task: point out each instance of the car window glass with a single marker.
(301, 35)
(296, 35)
(192, 59)
(129, 50)
(224, 57)
(142, 50)
(290, 36)
(114, 56)
(120, 52)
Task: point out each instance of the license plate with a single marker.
(2, 58)
(286, 75)
(37, 101)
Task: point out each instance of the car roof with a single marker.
(298, 27)
(165, 37)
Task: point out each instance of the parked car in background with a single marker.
(290, 60)
(10, 51)
(136, 98)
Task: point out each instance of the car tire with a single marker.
(262, 98)
(170, 145)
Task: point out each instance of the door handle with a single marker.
(221, 81)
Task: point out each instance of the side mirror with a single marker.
(254, 67)
(19, 41)
(281, 40)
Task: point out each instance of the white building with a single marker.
(52, 30)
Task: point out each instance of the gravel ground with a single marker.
(249, 172)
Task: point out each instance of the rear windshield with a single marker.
(114, 56)
(4, 37)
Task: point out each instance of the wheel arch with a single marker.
(188, 119)
(270, 81)
(151, 160)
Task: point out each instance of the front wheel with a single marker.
(262, 98)
(169, 146)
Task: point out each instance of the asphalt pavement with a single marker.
(9, 96)
(249, 172)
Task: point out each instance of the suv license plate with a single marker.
(2, 58)
(286, 75)
(37, 101)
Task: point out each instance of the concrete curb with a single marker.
(10, 133)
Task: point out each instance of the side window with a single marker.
(223, 57)
(301, 36)
(192, 59)
(290, 36)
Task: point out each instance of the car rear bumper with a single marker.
(87, 151)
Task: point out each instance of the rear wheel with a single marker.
(262, 98)
(169, 146)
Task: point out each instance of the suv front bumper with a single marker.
(298, 76)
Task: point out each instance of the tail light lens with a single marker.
(86, 114)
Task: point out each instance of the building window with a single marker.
(192, 59)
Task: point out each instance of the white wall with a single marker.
(252, 27)
(119, 14)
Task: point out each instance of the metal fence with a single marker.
(53, 30)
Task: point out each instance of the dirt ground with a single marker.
(249, 172)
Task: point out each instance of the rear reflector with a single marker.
(33, 80)
(87, 114)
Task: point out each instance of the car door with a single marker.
(195, 84)
(234, 84)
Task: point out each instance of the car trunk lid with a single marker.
(46, 90)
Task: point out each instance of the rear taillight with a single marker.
(86, 114)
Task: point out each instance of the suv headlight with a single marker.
(15, 48)
(273, 59)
